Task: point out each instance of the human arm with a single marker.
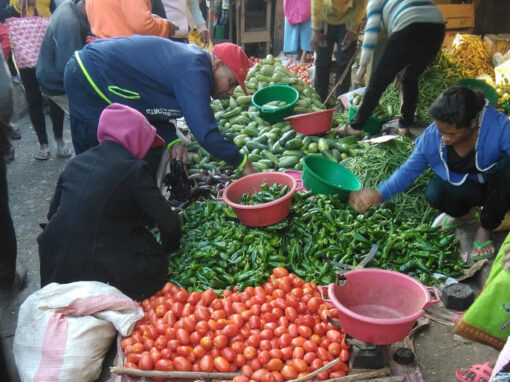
(139, 17)
(316, 16)
(158, 9)
(199, 21)
(356, 14)
(374, 18)
(147, 195)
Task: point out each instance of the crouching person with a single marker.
(104, 197)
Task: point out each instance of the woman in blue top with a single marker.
(468, 148)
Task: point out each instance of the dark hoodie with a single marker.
(95, 230)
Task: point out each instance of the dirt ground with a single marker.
(31, 185)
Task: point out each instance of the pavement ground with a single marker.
(31, 186)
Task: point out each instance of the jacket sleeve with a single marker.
(68, 39)
(55, 201)
(7, 10)
(413, 167)
(192, 91)
(357, 13)
(316, 12)
(158, 8)
(156, 207)
(140, 18)
(196, 13)
(374, 17)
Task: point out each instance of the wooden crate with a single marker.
(458, 16)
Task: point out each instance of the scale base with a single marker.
(366, 356)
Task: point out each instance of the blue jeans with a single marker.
(334, 35)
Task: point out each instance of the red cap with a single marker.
(235, 58)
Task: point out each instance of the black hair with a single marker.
(458, 105)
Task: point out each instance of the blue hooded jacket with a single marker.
(162, 79)
(493, 144)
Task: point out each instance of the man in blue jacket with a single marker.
(161, 79)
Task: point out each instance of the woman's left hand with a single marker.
(506, 260)
(360, 75)
(364, 199)
(204, 36)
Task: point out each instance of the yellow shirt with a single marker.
(338, 12)
(42, 6)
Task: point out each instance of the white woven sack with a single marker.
(65, 330)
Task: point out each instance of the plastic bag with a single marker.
(65, 330)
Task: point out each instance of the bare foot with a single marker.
(450, 223)
(483, 245)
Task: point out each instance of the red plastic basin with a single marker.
(260, 215)
(378, 306)
(314, 123)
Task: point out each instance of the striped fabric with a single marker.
(395, 15)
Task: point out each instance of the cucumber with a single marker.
(269, 156)
(267, 163)
(251, 145)
(287, 137)
(233, 113)
(243, 100)
(254, 157)
(239, 120)
(251, 131)
(293, 153)
(323, 144)
(288, 161)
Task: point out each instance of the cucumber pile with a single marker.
(269, 146)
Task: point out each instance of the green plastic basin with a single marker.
(489, 92)
(373, 125)
(275, 93)
(323, 176)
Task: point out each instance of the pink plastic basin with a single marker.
(298, 175)
(378, 306)
(260, 215)
(313, 123)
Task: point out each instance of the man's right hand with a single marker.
(316, 38)
(248, 169)
(178, 151)
(364, 199)
(172, 28)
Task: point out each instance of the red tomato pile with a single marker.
(253, 60)
(301, 71)
(273, 332)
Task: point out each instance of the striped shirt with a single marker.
(395, 15)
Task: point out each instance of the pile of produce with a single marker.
(269, 146)
(267, 194)
(218, 252)
(253, 60)
(437, 77)
(472, 54)
(301, 70)
(275, 332)
(377, 162)
(380, 112)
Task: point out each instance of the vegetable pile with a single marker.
(268, 146)
(377, 162)
(472, 54)
(219, 252)
(302, 71)
(267, 194)
(275, 332)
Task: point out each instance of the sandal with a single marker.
(477, 246)
(447, 225)
(481, 372)
(42, 154)
(64, 151)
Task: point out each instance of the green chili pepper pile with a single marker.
(219, 252)
(267, 194)
(377, 162)
(437, 77)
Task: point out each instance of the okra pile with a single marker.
(218, 252)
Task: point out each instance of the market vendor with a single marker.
(98, 217)
(416, 31)
(468, 148)
(163, 80)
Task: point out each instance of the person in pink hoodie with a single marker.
(105, 202)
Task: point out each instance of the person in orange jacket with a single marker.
(117, 18)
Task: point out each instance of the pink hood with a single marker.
(127, 126)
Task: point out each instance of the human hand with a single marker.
(178, 151)
(360, 74)
(204, 36)
(364, 199)
(506, 260)
(349, 38)
(248, 169)
(317, 36)
(172, 28)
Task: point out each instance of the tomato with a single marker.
(188, 309)
(206, 342)
(221, 364)
(194, 298)
(173, 345)
(337, 374)
(316, 364)
(280, 272)
(170, 318)
(258, 374)
(266, 334)
(298, 341)
(237, 320)
(247, 371)
(344, 355)
(325, 343)
(182, 336)
(298, 352)
(164, 365)
(319, 329)
(237, 346)
(334, 335)
(148, 343)
(131, 365)
(301, 308)
(323, 354)
(227, 306)
(299, 364)
(230, 330)
(239, 360)
(309, 346)
(249, 352)
(133, 357)
(322, 376)
(264, 357)
(293, 330)
(334, 348)
(217, 314)
(271, 325)
(241, 378)
(160, 310)
(277, 376)
(125, 342)
(238, 307)
(189, 323)
(288, 373)
(297, 293)
(278, 293)
(184, 351)
(313, 304)
(274, 364)
(291, 313)
(182, 364)
(208, 296)
(220, 341)
(291, 301)
(265, 345)
(228, 354)
(309, 357)
(146, 362)
(269, 377)
(285, 340)
(253, 340)
(160, 343)
(277, 312)
(255, 364)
